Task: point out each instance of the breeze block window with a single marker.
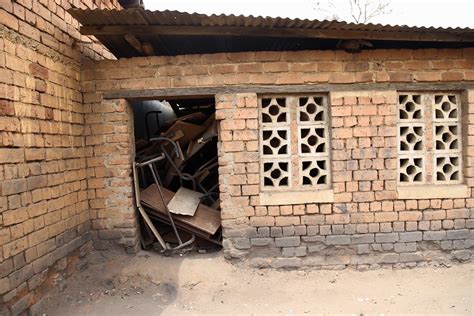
(294, 142)
(429, 138)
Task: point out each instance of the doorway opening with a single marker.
(176, 174)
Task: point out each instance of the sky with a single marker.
(439, 13)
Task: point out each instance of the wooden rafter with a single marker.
(142, 48)
(134, 42)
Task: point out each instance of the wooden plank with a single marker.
(190, 132)
(185, 202)
(154, 215)
(216, 238)
(180, 93)
(198, 143)
(432, 36)
(205, 218)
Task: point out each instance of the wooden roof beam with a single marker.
(145, 48)
(134, 42)
(425, 36)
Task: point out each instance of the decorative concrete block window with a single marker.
(294, 149)
(430, 163)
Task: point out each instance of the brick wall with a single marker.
(367, 225)
(306, 67)
(65, 154)
(44, 207)
(110, 151)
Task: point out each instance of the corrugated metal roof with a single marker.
(140, 17)
(147, 17)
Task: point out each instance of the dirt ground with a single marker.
(196, 284)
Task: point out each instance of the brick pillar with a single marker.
(468, 142)
(237, 115)
(110, 152)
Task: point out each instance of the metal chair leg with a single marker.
(157, 180)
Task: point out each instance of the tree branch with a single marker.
(361, 11)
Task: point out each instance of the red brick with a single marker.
(274, 211)
(287, 220)
(286, 210)
(299, 209)
(386, 216)
(352, 100)
(322, 55)
(401, 77)
(312, 219)
(329, 66)
(341, 111)
(342, 133)
(8, 20)
(338, 219)
(356, 66)
(246, 113)
(417, 65)
(428, 76)
(39, 71)
(250, 68)
(233, 146)
(233, 125)
(237, 179)
(250, 189)
(443, 64)
(275, 67)
(362, 217)
(258, 221)
(434, 215)
(393, 65)
(457, 213)
(363, 196)
(342, 78)
(452, 76)
(267, 56)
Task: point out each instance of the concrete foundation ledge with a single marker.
(359, 251)
(365, 262)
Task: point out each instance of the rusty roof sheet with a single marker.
(147, 17)
(140, 17)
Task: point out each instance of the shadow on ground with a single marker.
(194, 284)
(112, 282)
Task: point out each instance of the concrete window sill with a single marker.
(296, 197)
(432, 191)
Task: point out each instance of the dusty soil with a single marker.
(194, 284)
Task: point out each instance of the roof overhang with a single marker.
(137, 32)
